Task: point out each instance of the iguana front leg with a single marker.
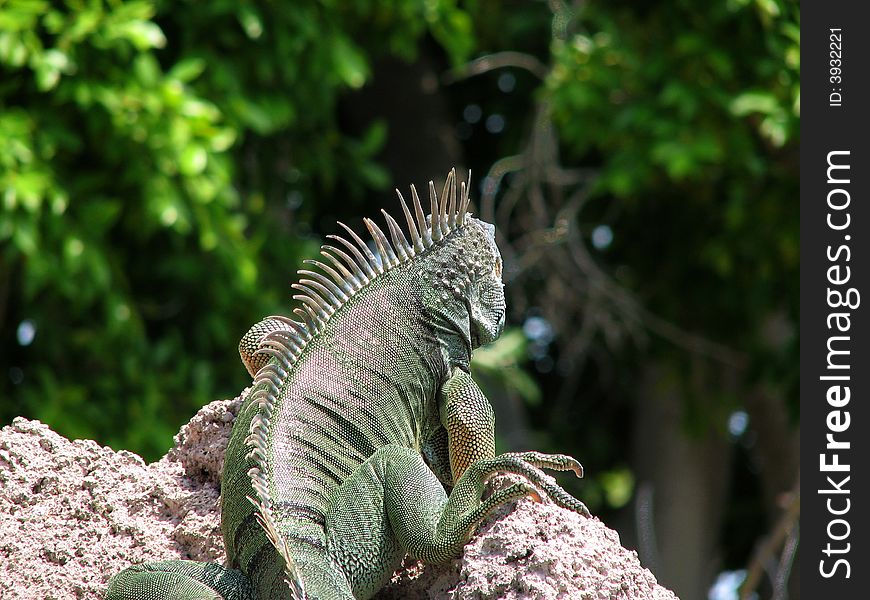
(469, 420)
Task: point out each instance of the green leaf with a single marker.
(147, 69)
(187, 70)
(30, 188)
(73, 248)
(618, 486)
(144, 35)
(193, 160)
(49, 67)
(523, 384)
(350, 64)
(222, 139)
(25, 238)
(374, 138)
(506, 350)
(251, 22)
(453, 30)
(754, 102)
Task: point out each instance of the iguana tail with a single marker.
(181, 579)
(291, 573)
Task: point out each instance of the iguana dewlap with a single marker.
(360, 410)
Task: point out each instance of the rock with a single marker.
(530, 550)
(72, 514)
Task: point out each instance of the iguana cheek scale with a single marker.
(325, 487)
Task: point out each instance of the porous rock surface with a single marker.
(73, 513)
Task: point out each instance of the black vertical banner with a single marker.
(835, 300)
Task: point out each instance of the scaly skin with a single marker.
(325, 486)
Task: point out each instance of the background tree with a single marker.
(167, 165)
(159, 167)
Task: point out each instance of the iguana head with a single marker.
(463, 263)
(485, 295)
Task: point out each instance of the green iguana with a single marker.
(362, 417)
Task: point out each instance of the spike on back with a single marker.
(355, 263)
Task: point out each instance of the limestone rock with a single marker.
(73, 513)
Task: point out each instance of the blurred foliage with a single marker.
(503, 361)
(155, 158)
(691, 112)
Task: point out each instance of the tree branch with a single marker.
(497, 60)
(786, 527)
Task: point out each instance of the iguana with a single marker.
(361, 419)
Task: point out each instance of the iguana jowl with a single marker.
(325, 487)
